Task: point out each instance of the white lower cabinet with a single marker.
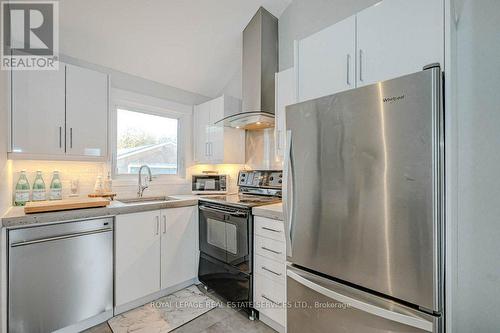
(137, 256)
(270, 272)
(154, 251)
(270, 296)
(179, 245)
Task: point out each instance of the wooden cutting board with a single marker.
(110, 195)
(66, 204)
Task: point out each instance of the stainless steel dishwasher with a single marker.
(60, 275)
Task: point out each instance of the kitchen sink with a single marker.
(145, 200)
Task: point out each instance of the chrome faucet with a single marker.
(141, 189)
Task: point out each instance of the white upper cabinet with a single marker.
(59, 114)
(86, 112)
(201, 131)
(326, 61)
(399, 37)
(390, 39)
(214, 143)
(285, 95)
(216, 131)
(179, 245)
(38, 112)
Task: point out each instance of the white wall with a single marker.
(301, 19)
(477, 267)
(234, 86)
(5, 165)
(305, 17)
(5, 185)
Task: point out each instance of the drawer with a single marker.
(273, 229)
(270, 298)
(270, 248)
(271, 269)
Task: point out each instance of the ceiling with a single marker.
(194, 45)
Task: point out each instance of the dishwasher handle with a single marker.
(61, 237)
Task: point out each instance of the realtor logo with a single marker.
(30, 38)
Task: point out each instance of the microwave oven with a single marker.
(209, 184)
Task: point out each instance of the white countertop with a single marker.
(16, 218)
(274, 211)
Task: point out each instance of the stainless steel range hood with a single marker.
(260, 63)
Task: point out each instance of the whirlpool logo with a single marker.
(394, 99)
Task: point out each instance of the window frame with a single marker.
(151, 106)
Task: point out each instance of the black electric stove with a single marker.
(226, 236)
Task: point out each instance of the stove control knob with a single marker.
(280, 181)
(271, 178)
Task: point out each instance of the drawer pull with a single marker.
(270, 300)
(267, 249)
(270, 229)
(270, 271)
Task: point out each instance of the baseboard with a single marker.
(152, 297)
(271, 323)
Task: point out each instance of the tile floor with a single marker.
(219, 320)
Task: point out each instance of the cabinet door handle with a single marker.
(71, 137)
(60, 136)
(157, 225)
(270, 271)
(348, 70)
(164, 224)
(210, 149)
(361, 65)
(268, 249)
(270, 229)
(206, 148)
(270, 300)
(278, 139)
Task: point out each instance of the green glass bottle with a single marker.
(22, 195)
(39, 193)
(55, 187)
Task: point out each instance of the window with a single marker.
(143, 138)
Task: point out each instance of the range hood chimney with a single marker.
(260, 63)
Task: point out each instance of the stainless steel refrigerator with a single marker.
(363, 209)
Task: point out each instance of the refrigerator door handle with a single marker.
(415, 322)
(288, 197)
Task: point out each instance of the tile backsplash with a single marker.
(231, 170)
(87, 172)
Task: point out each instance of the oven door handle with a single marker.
(215, 210)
